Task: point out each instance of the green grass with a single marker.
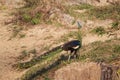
(107, 51)
(99, 31)
(35, 21)
(3, 7)
(33, 51)
(24, 53)
(30, 3)
(71, 10)
(48, 62)
(26, 17)
(105, 12)
(16, 31)
(115, 25)
(117, 49)
(36, 60)
(71, 34)
(92, 12)
(22, 35)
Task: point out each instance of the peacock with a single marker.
(49, 59)
(73, 46)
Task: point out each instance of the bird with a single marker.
(73, 46)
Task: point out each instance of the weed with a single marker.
(35, 21)
(71, 10)
(57, 24)
(3, 7)
(26, 17)
(16, 30)
(33, 51)
(102, 51)
(117, 49)
(49, 22)
(118, 72)
(105, 12)
(71, 34)
(46, 78)
(48, 62)
(22, 35)
(24, 53)
(30, 3)
(99, 31)
(115, 25)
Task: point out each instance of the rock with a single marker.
(88, 71)
(66, 19)
(79, 71)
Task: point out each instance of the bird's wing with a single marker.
(76, 47)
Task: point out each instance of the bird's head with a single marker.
(79, 25)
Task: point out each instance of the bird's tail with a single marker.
(38, 59)
(52, 50)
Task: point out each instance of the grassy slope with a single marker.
(42, 66)
(108, 51)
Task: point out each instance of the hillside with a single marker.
(30, 28)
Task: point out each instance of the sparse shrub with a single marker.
(117, 49)
(24, 53)
(115, 25)
(35, 21)
(22, 35)
(102, 52)
(71, 34)
(26, 17)
(38, 11)
(106, 12)
(16, 31)
(46, 78)
(99, 30)
(71, 10)
(33, 51)
(30, 3)
(83, 6)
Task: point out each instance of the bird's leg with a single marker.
(71, 51)
(69, 57)
(75, 54)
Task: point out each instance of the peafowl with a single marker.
(72, 46)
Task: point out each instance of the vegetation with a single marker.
(115, 25)
(38, 11)
(105, 12)
(99, 31)
(33, 61)
(26, 53)
(108, 51)
(71, 10)
(71, 34)
(30, 3)
(42, 66)
(92, 12)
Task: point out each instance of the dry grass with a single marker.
(107, 51)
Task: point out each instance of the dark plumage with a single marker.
(72, 46)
